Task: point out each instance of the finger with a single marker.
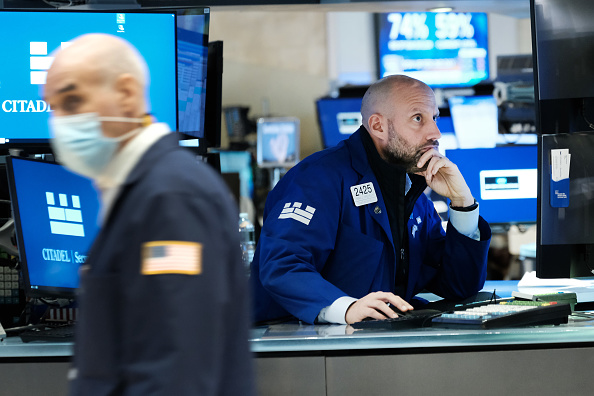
(378, 304)
(376, 314)
(364, 308)
(366, 312)
(426, 157)
(400, 303)
(385, 310)
(435, 166)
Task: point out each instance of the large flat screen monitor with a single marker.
(441, 49)
(56, 220)
(174, 44)
(503, 180)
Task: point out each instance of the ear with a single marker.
(129, 95)
(376, 126)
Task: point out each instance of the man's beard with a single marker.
(401, 153)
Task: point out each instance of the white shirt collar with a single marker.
(119, 168)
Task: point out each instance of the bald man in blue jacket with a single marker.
(348, 230)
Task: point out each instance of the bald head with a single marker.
(380, 96)
(104, 57)
(101, 74)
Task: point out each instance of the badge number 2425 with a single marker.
(363, 194)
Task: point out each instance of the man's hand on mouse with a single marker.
(375, 305)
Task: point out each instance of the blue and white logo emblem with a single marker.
(65, 219)
(39, 61)
(296, 213)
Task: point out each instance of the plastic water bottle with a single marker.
(247, 241)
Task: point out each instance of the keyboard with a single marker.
(408, 320)
(505, 314)
(63, 333)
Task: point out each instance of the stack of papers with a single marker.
(583, 288)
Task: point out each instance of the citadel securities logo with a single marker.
(39, 63)
(65, 219)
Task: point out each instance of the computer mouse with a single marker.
(398, 311)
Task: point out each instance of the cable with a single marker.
(59, 4)
(583, 111)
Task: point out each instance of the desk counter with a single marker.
(302, 359)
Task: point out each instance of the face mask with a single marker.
(79, 143)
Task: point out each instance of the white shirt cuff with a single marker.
(466, 222)
(336, 312)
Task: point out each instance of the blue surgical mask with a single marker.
(79, 143)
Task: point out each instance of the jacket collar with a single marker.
(162, 146)
(360, 162)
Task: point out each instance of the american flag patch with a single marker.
(171, 257)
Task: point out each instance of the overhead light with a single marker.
(441, 9)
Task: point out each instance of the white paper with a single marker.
(560, 164)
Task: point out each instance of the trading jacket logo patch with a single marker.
(296, 213)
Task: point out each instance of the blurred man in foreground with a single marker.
(163, 295)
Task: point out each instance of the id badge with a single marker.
(363, 194)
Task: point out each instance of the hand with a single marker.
(444, 177)
(374, 305)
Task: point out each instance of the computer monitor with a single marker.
(56, 220)
(562, 43)
(503, 180)
(214, 95)
(475, 120)
(173, 43)
(448, 49)
(192, 75)
(338, 118)
(239, 162)
(278, 142)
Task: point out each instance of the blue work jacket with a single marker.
(317, 245)
(165, 333)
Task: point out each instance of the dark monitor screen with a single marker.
(563, 39)
(56, 220)
(28, 55)
(338, 118)
(441, 49)
(503, 180)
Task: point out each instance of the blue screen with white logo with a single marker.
(27, 54)
(278, 142)
(440, 49)
(338, 118)
(56, 218)
(504, 180)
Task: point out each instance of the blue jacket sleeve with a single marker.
(458, 263)
(299, 234)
